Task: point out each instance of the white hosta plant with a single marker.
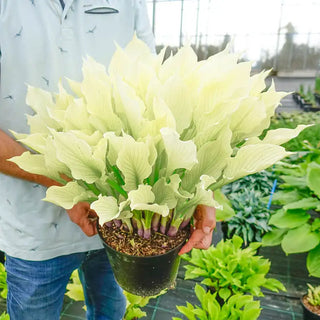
(148, 141)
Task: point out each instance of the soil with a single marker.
(132, 244)
(312, 308)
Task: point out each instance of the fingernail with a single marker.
(207, 229)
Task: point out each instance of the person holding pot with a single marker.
(42, 42)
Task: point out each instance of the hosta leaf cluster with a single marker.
(250, 221)
(151, 136)
(228, 269)
(313, 295)
(296, 225)
(237, 307)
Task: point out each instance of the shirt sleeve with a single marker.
(142, 24)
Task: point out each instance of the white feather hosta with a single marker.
(149, 140)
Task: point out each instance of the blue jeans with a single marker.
(36, 288)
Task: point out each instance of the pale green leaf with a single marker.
(178, 97)
(36, 141)
(282, 135)
(181, 154)
(133, 161)
(77, 155)
(251, 159)
(107, 209)
(143, 199)
(33, 163)
(68, 195)
(212, 158)
(165, 193)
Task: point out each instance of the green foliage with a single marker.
(134, 303)
(260, 182)
(291, 120)
(317, 85)
(313, 295)
(3, 282)
(4, 316)
(296, 225)
(226, 212)
(251, 219)
(74, 287)
(239, 306)
(228, 269)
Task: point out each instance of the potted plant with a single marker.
(311, 303)
(147, 143)
(250, 221)
(227, 269)
(134, 303)
(238, 306)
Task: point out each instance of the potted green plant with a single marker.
(250, 221)
(311, 303)
(134, 303)
(237, 307)
(134, 143)
(227, 269)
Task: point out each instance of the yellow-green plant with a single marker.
(237, 307)
(4, 316)
(228, 269)
(313, 295)
(150, 140)
(3, 282)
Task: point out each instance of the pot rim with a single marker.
(139, 257)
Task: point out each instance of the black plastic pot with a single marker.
(144, 276)
(308, 314)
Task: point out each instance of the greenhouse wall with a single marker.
(279, 34)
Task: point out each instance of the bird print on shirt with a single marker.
(62, 50)
(9, 97)
(18, 34)
(45, 80)
(92, 30)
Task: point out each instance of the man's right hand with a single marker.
(84, 217)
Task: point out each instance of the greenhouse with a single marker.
(160, 159)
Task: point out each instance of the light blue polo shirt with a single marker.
(41, 43)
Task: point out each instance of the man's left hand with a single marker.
(204, 222)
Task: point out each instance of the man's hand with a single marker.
(84, 217)
(205, 222)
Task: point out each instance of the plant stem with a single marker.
(174, 227)
(155, 222)
(117, 188)
(128, 223)
(163, 224)
(146, 222)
